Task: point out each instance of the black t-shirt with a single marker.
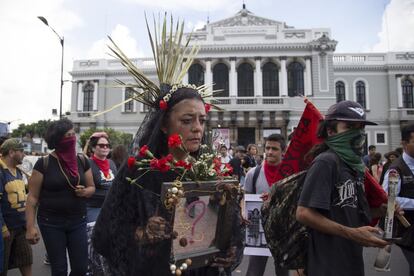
(56, 197)
(335, 197)
(102, 184)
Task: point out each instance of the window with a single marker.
(221, 80)
(340, 91)
(196, 74)
(380, 138)
(360, 93)
(295, 79)
(129, 106)
(407, 93)
(88, 90)
(245, 83)
(270, 80)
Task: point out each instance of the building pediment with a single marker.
(246, 18)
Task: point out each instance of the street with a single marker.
(399, 266)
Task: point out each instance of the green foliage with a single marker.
(116, 137)
(35, 129)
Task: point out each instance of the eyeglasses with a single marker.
(102, 146)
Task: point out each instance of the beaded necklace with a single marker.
(66, 177)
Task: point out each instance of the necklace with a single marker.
(67, 178)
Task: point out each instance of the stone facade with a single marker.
(250, 45)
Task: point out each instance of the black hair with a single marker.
(93, 141)
(275, 137)
(251, 146)
(375, 159)
(223, 146)
(371, 147)
(119, 155)
(406, 132)
(56, 131)
(150, 132)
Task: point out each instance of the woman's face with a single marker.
(101, 150)
(392, 157)
(187, 118)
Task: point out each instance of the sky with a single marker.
(31, 53)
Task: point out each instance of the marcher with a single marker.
(333, 203)
(17, 251)
(119, 155)
(251, 155)
(103, 170)
(390, 157)
(224, 156)
(236, 163)
(58, 187)
(258, 181)
(371, 151)
(405, 195)
(375, 166)
(133, 230)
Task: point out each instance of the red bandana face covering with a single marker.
(102, 164)
(66, 153)
(270, 173)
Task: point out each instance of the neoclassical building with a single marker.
(263, 68)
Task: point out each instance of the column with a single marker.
(80, 96)
(283, 79)
(185, 78)
(95, 96)
(233, 78)
(208, 76)
(258, 82)
(399, 91)
(308, 77)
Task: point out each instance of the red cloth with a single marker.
(374, 192)
(304, 138)
(271, 173)
(66, 152)
(102, 164)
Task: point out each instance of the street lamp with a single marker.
(61, 38)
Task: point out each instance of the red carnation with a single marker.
(174, 141)
(207, 107)
(188, 166)
(180, 163)
(163, 165)
(169, 158)
(163, 105)
(131, 162)
(154, 163)
(143, 151)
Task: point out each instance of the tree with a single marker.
(116, 137)
(31, 130)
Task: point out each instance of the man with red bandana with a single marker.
(258, 181)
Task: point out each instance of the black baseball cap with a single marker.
(347, 111)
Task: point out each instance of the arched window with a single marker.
(129, 106)
(196, 74)
(245, 83)
(340, 91)
(407, 93)
(360, 93)
(270, 80)
(295, 79)
(221, 79)
(88, 90)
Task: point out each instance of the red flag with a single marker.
(303, 139)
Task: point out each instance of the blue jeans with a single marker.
(92, 214)
(60, 234)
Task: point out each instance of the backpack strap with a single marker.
(82, 158)
(45, 163)
(255, 176)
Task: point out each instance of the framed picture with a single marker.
(200, 218)
(255, 238)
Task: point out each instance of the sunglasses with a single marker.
(102, 146)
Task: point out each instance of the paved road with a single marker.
(399, 265)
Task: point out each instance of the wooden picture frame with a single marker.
(200, 219)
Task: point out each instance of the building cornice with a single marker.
(253, 47)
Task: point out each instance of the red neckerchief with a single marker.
(270, 172)
(66, 152)
(102, 164)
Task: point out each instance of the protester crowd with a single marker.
(106, 216)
